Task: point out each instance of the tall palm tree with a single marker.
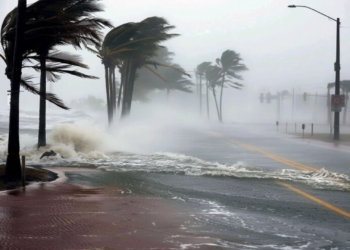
(150, 33)
(13, 165)
(230, 63)
(200, 71)
(213, 76)
(63, 22)
(115, 47)
(130, 47)
(50, 23)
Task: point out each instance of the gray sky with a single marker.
(282, 47)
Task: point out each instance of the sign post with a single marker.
(337, 102)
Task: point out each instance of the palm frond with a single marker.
(155, 72)
(3, 58)
(167, 66)
(25, 83)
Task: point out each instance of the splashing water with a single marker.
(82, 143)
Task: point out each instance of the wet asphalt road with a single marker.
(252, 213)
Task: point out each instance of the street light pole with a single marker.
(336, 68)
(337, 82)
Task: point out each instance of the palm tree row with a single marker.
(130, 47)
(46, 24)
(220, 76)
(51, 23)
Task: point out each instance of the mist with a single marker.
(285, 50)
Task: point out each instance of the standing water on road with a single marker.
(239, 205)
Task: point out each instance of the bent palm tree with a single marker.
(230, 63)
(150, 33)
(200, 71)
(60, 22)
(13, 164)
(213, 75)
(129, 47)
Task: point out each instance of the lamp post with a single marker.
(336, 68)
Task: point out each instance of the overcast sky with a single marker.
(283, 48)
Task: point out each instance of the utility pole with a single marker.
(336, 67)
(337, 83)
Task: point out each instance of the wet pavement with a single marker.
(66, 216)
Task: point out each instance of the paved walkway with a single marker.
(66, 216)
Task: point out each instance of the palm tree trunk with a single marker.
(126, 88)
(222, 90)
(216, 104)
(42, 107)
(115, 91)
(122, 83)
(132, 84)
(111, 92)
(13, 165)
(107, 95)
(208, 99)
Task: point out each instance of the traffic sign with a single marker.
(337, 102)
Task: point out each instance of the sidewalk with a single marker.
(323, 139)
(66, 216)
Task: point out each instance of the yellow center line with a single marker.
(285, 161)
(292, 164)
(319, 201)
(279, 159)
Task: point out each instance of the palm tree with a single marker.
(200, 71)
(230, 63)
(130, 47)
(13, 171)
(58, 22)
(150, 33)
(116, 44)
(77, 26)
(213, 76)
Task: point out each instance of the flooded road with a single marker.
(222, 186)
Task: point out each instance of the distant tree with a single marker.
(201, 73)
(129, 47)
(148, 81)
(213, 76)
(175, 80)
(230, 63)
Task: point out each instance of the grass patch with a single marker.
(32, 175)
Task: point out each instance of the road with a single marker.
(256, 188)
